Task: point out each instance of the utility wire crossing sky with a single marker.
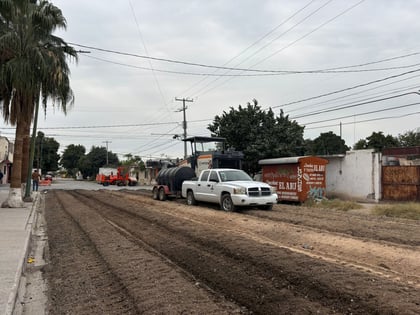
(323, 62)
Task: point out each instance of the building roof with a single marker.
(289, 160)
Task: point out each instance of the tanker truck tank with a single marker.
(169, 182)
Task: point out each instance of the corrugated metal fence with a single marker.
(401, 183)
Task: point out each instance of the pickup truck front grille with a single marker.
(259, 191)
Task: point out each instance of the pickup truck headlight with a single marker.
(273, 190)
(239, 191)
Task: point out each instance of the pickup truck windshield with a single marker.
(227, 176)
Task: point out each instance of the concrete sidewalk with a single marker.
(15, 235)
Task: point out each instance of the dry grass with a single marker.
(410, 210)
(333, 204)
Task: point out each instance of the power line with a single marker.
(272, 73)
(346, 89)
(292, 43)
(362, 114)
(269, 43)
(267, 72)
(185, 72)
(147, 53)
(363, 121)
(313, 31)
(168, 60)
(105, 126)
(335, 108)
(256, 42)
(334, 100)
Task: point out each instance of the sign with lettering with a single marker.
(298, 181)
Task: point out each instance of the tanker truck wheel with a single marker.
(191, 199)
(155, 193)
(227, 203)
(162, 195)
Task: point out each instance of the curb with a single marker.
(11, 302)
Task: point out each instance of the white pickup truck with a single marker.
(230, 188)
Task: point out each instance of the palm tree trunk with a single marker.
(25, 152)
(14, 200)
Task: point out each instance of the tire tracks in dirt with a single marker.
(150, 283)
(312, 285)
(398, 262)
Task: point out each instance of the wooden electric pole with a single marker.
(107, 150)
(184, 124)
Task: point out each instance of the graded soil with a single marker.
(114, 252)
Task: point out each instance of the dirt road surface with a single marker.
(116, 252)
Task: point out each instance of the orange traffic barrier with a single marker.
(44, 182)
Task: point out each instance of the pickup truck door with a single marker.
(200, 193)
(205, 187)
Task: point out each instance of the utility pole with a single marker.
(184, 124)
(106, 150)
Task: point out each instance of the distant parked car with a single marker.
(48, 177)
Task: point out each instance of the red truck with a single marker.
(115, 176)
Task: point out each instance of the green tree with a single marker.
(33, 67)
(409, 139)
(134, 161)
(258, 134)
(327, 143)
(84, 165)
(360, 145)
(377, 141)
(90, 163)
(46, 156)
(71, 156)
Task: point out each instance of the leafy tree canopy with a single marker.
(409, 139)
(74, 159)
(360, 145)
(377, 141)
(46, 157)
(33, 68)
(326, 143)
(71, 156)
(134, 161)
(258, 134)
(90, 163)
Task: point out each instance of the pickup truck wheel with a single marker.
(162, 195)
(191, 199)
(227, 203)
(155, 193)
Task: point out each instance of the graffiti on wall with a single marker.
(316, 192)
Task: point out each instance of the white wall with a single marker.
(4, 148)
(357, 175)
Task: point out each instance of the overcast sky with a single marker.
(371, 44)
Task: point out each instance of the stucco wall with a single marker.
(357, 175)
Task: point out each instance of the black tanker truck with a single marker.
(206, 152)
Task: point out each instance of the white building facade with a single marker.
(355, 175)
(6, 158)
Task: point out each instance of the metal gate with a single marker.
(401, 183)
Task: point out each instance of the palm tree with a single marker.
(33, 68)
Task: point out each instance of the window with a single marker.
(205, 176)
(213, 177)
(234, 175)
